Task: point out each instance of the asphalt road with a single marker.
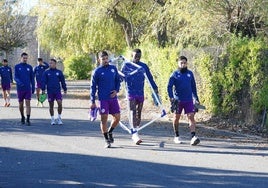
(73, 155)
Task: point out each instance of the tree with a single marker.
(14, 27)
(88, 27)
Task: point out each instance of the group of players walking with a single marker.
(105, 85)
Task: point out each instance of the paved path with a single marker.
(72, 155)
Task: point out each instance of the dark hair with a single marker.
(182, 58)
(5, 60)
(39, 59)
(23, 54)
(137, 50)
(102, 54)
(54, 60)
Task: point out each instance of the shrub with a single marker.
(78, 67)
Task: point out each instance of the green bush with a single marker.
(78, 67)
(235, 84)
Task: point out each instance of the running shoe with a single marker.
(195, 140)
(107, 144)
(52, 122)
(59, 121)
(177, 140)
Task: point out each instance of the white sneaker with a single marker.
(136, 138)
(177, 140)
(52, 122)
(59, 121)
(195, 140)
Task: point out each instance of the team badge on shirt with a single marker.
(188, 75)
(28, 69)
(112, 70)
(57, 74)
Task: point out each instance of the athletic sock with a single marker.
(111, 129)
(192, 134)
(28, 118)
(52, 117)
(177, 133)
(59, 116)
(106, 136)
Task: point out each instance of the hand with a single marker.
(92, 106)
(196, 102)
(113, 93)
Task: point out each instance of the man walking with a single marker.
(52, 81)
(25, 86)
(38, 72)
(135, 86)
(181, 91)
(106, 83)
(6, 80)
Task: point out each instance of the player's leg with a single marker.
(20, 95)
(133, 109)
(59, 120)
(51, 111)
(138, 115)
(28, 111)
(27, 97)
(176, 122)
(190, 111)
(38, 90)
(8, 97)
(51, 108)
(114, 109)
(4, 96)
(104, 110)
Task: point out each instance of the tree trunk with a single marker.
(130, 37)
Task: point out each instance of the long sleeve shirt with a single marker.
(39, 70)
(182, 86)
(135, 82)
(105, 79)
(6, 75)
(24, 77)
(52, 81)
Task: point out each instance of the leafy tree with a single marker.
(14, 27)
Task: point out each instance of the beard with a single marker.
(183, 70)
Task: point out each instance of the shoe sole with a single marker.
(107, 146)
(138, 142)
(197, 141)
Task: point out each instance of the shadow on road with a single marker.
(43, 169)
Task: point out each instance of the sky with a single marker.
(28, 4)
